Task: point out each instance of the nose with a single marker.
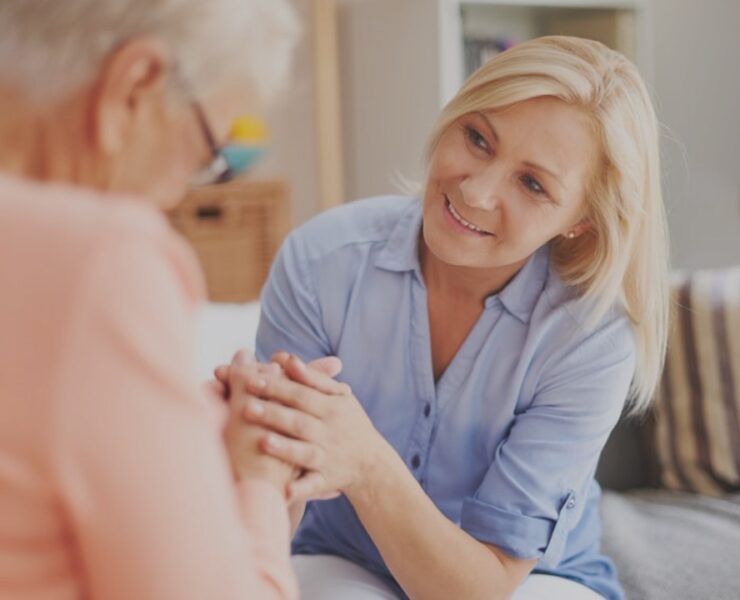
(482, 190)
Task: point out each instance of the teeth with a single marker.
(462, 221)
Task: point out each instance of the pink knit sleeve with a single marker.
(145, 485)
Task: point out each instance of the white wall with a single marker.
(293, 129)
(390, 90)
(697, 88)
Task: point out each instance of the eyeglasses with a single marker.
(229, 161)
(218, 170)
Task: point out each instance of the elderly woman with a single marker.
(114, 482)
(491, 331)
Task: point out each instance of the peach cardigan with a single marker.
(114, 482)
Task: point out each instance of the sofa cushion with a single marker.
(672, 545)
(697, 410)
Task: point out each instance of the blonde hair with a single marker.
(624, 255)
(49, 47)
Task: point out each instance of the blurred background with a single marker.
(384, 68)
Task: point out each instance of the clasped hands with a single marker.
(295, 425)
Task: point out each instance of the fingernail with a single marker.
(255, 407)
(272, 442)
(259, 383)
(244, 358)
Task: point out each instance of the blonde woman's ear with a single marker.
(577, 230)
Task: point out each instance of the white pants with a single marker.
(323, 577)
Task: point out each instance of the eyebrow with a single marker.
(531, 165)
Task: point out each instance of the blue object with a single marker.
(240, 158)
(506, 442)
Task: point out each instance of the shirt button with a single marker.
(427, 410)
(571, 503)
(416, 461)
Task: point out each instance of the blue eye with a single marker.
(476, 138)
(533, 185)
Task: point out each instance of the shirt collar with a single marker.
(520, 295)
(401, 250)
(401, 253)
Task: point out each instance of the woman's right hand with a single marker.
(241, 438)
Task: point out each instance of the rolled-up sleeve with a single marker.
(534, 491)
(291, 318)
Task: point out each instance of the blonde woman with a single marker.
(491, 332)
(114, 479)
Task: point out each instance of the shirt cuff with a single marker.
(520, 536)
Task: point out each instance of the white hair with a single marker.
(50, 47)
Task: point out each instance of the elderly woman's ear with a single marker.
(131, 92)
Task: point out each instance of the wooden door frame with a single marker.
(328, 103)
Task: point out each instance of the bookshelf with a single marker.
(620, 24)
(401, 61)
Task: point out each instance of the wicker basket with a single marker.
(236, 230)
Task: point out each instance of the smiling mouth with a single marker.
(458, 217)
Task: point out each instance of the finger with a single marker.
(295, 452)
(244, 357)
(239, 400)
(285, 391)
(253, 378)
(280, 357)
(222, 373)
(271, 369)
(281, 419)
(327, 496)
(312, 486)
(299, 372)
(329, 365)
(247, 377)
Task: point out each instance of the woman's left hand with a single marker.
(317, 425)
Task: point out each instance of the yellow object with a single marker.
(249, 129)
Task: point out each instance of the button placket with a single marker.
(421, 433)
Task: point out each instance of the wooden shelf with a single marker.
(235, 229)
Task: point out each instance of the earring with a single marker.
(571, 235)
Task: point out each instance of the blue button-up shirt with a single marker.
(507, 440)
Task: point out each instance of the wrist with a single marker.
(265, 470)
(377, 473)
